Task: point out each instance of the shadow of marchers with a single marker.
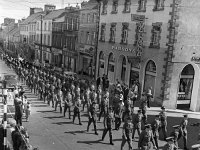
(39, 105)
(75, 132)
(93, 142)
(62, 123)
(53, 117)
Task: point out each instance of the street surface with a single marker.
(49, 130)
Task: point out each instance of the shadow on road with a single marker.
(53, 117)
(92, 142)
(62, 123)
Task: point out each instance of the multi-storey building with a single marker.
(65, 37)
(182, 86)
(132, 42)
(87, 37)
(46, 32)
(28, 33)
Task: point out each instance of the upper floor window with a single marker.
(94, 38)
(81, 38)
(159, 5)
(88, 18)
(67, 24)
(142, 5)
(49, 26)
(103, 29)
(112, 32)
(83, 18)
(94, 17)
(77, 23)
(45, 26)
(114, 6)
(88, 38)
(127, 5)
(124, 33)
(104, 7)
(156, 35)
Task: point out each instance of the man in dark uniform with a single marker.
(77, 109)
(163, 121)
(170, 144)
(92, 116)
(127, 131)
(104, 105)
(175, 134)
(183, 128)
(118, 114)
(108, 123)
(145, 139)
(137, 121)
(155, 128)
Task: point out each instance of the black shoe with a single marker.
(80, 123)
(96, 133)
(111, 143)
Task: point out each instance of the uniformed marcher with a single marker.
(155, 125)
(86, 98)
(143, 107)
(127, 131)
(77, 105)
(175, 134)
(163, 122)
(59, 100)
(170, 144)
(137, 123)
(145, 139)
(68, 103)
(183, 129)
(92, 116)
(118, 112)
(108, 123)
(104, 106)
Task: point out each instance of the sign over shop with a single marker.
(136, 17)
(120, 48)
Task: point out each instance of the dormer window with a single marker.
(142, 5)
(127, 5)
(114, 6)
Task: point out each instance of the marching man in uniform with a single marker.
(184, 130)
(163, 121)
(170, 144)
(127, 131)
(145, 139)
(137, 121)
(108, 123)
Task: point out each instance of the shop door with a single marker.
(185, 88)
(134, 76)
(111, 68)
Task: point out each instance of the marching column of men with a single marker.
(68, 92)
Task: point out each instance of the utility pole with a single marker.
(41, 41)
(97, 38)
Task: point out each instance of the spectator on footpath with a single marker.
(27, 108)
(18, 110)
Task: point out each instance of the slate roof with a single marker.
(54, 14)
(32, 18)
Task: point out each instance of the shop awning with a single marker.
(134, 59)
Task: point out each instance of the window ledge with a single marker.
(113, 12)
(102, 40)
(124, 11)
(158, 9)
(154, 46)
(124, 43)
(110, 41)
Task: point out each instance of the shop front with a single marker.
(69, 60)
(86, 60)
(57, 57)
(46, 55)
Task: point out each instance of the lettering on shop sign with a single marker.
(119, 48)
(197, 59)
(135, 17)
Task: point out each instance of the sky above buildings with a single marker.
(19, 9)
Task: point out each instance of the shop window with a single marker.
(159, 5)
(124, 39)
(88, 18)
(103, 28)
(112, 32)
(151, 67)
(104, 7)
(123, 72)
(142, 5)
(134, 76)
(127, 5)
(111, 62)
(114, 7)
(156, 35)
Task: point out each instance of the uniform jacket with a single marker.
(155, 127)
(109, 120)
(145, 138)
(137, 120)
(127, 129)
(163, 118)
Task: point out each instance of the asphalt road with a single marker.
(49, 130)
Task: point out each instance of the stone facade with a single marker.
(119, 58)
